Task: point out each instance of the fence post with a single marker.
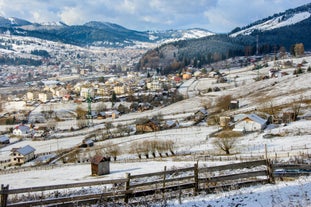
(163, 186)
(127, 187)
(4, 195)
(270, 171)
(164, 178)
(196, 179)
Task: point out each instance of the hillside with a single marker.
(193, 143)
(100, 34)
(269, 35)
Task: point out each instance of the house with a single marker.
(4, 140)
(86, 92)
(144, 106)
(224, 121)
(113, 114)
(186, 76)
(21, 130)
(200, 115)
(61, 92)
(234, 104)
(31, 95)
(169, 124)
(100, 165)
(150, 125)
(87, 143)
(155, 85)
(45, 97)
(119, 89)
(22, 155)
(250, 123)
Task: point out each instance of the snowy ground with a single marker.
(194, 140)
(283, 194)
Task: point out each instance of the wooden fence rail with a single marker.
(190, 180)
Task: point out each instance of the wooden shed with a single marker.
(100, 165)
(150, 125)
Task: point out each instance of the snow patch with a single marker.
(274, 23)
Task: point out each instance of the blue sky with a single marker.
(213, 15)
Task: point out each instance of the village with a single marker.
(112, 106)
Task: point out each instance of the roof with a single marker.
(255, 118)
(99, 158)
(23, 128)
(4, 138)
(203, 111)
(88, 141)
(26, 150)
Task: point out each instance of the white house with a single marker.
(22, 155)
(250, 123)
(21, 130)
(45, 97)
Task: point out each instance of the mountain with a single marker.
(13, 22)
(94, 33)
(282, 29)
(284, 19)
(268, 35)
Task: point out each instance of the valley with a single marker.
(72, 97)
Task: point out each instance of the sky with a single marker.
(214, 15)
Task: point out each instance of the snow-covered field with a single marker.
(194, 140)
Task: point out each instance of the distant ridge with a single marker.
(94, 33)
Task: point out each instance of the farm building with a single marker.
(234, 104)
(21, 130)
(87, 143)
(100, 165)
(22, 155)
(150, 125)
(250, 123)
(200, 115)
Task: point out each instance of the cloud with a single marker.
(214, 15)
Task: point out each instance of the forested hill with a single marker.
(278, 32)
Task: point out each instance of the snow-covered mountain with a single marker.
(175, 35)
(287, 18)
(13, 22)
(94, 33)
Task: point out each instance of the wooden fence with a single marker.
(163, 185)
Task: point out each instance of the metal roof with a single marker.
(3, 138)
(26, 150)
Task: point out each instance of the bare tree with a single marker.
(223, 103)
(108, 127)
(1, 107)
(225, 144)
(146, 148)
(226, 140)
(299, 49)
(153, 146)
(81, 113)
(113, 150)
(82, 123)
(296, 106)
(137, 148)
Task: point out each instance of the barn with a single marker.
(250, 123)
(100, 165)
